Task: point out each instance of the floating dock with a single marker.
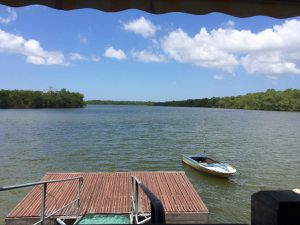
(105, 193)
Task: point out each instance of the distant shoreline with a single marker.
(112, 102)
(270, 100)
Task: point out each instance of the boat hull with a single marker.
(195, 165)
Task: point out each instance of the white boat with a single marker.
(204, 164)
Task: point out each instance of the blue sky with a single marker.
(133, 55)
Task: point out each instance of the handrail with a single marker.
(44, 193)
(7, 188)
(157, 208)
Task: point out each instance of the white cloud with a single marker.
(271, 64)
(12, 16)
(218, 77)
(198, 50)
(35, 54)
(76, 56)
(155, 43)
(146, 56)
(271, 52)
(230, 24)
(82, 39)
(111, 52)
(95, 58)
(142, 27)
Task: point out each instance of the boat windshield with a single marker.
(204, 160)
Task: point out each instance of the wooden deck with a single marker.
(109, 193)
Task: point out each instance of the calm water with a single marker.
(263, 146)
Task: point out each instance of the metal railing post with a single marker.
(157, 208)
(43, 207)
(80, 181)
(133, 192)
(132, 202)
(136, 197)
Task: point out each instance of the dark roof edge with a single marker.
(238, 8)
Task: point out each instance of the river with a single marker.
(263, 146)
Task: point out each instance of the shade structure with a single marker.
(239, 8)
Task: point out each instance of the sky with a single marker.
(134, 55)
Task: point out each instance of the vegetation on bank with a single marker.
(288, 100)
(110, 102)
(23, 99)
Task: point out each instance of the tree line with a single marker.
(287, 100)
(38, 99)
(111, 102)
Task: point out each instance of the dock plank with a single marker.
(109, 193)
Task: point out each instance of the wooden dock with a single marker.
(109, 193)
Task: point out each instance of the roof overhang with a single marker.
(239, 8)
